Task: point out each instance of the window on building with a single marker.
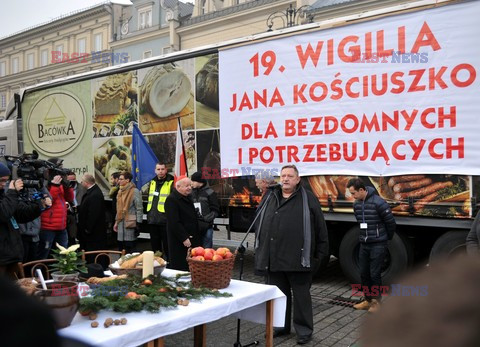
(147, 54)
(3, 69)
(82, 45)
(15, 64)
(44, 57)
(166, 50)
(204, 7)
(30, 61)
(3, 101)
(98, 38)
(145, 17)
(59, 48)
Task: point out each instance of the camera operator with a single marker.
(13, 210)
(54, 220)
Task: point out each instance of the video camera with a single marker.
(34, 171)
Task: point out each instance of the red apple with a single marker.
(209, 250)
(208, 255)
(199, 257)
(221, 251)
(217, 257)
(228, 255)
(198, 251)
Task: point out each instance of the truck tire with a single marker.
(399, 257)
(449, 244)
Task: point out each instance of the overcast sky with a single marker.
(22, 14)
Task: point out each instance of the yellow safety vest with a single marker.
(164, 191)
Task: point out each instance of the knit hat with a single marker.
(4, 170)
(197, 177)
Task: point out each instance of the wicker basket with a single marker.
(211, 274)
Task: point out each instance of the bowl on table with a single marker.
(136, 271)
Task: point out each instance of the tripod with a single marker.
(241, 252)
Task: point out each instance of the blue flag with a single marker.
(143, 159)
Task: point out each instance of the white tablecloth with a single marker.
(248, 303)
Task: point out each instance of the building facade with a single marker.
(110, 34)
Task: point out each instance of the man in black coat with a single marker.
(206, 204)
(13, 210)
(377, 226)
(473, 237)
(291, 239)
(92, 230)
(182, 226)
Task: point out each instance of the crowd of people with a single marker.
(291, 237)
(69, 212)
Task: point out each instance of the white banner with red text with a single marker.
(397, 95)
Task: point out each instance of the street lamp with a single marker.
(290, 16)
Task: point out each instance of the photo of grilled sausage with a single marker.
(411, 185)
(400, 179)
(420, 203)
(424, 191)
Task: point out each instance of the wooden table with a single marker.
(254, 302)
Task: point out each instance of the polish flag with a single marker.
(180, 159)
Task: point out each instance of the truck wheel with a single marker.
(449, 244)
(398, 259)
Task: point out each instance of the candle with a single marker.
(147, 264)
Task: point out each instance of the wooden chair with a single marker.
(103, 255)
(31, 267)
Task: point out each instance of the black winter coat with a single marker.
(11, 247)
(91, 217)
(181, 224)
(280, 235)
(209, 204)
(377, 214)
(473, 237)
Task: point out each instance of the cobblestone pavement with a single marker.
(336, 322)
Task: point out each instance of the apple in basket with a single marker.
(209, 254)
(198, 251)
(217, 257)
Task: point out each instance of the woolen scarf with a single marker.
(124, 200)
(307, 227)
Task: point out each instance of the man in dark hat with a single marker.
(206, 204)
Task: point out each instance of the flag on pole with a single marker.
(180, 158)
(143, 159)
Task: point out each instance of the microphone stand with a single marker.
(241, 252)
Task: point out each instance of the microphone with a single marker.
(273, 186)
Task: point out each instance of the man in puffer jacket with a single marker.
(54, 219)
(377, 226)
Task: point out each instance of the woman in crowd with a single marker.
(129, 213)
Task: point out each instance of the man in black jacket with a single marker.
(160, 187)
(206, 203)
(13, 210)
(377, 226)
(92, 229)
(182, 226)
(291, 238)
